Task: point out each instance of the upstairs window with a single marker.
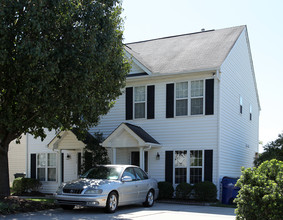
(139, 102)
(190, 98)
(241, 105)
(181, 98)
(197, 97)
(251, 113)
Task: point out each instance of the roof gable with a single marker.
(128, 135)
(186, 53)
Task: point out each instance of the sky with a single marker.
(149, 19)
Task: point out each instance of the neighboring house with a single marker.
(17, 158)
(189, 113)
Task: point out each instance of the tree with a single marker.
(94, 153)
(272, 150)
(61, 66)
(261, 192)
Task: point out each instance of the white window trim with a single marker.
(176, 99)
(189, 98)
(136, 102)
(46, 167)
(196, 97)
(202, 167)
(174, 166)
(241, 104)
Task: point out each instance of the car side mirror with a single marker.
(127, 179)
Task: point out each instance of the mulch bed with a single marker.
(14, 204)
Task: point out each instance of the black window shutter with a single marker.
(33, 166)
(62, 166)
(170, 100)
(208, 165)
(129, 103)
(150, 102)
(79, 163)
(169, 166)
(209, 97)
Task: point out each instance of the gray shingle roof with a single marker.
(142, 133)
(205, 50)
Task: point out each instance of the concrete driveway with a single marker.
(158, 211)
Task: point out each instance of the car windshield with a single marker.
(101, 172)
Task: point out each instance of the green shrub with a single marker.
(205, 191)
(183, 190)
(261, 192)
(23, 185)
(166, 190)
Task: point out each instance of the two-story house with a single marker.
(189, 113)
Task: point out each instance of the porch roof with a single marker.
(129, 135)
(68, 140)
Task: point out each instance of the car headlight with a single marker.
(94, 191)
(60, 189)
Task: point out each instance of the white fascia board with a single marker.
(138, 63)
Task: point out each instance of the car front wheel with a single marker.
(112, 202)
(149, 201)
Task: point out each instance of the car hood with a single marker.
(83, 183)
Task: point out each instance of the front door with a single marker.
(135, 159)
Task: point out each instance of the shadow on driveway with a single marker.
(158, 211)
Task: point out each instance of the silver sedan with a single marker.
(109, 186)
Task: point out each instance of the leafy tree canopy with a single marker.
(272, 150)
(94, 153)
(61, 66)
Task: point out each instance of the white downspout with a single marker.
(218, 133)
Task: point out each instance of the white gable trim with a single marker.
(57, 143)
(119, 133)
(138, 63)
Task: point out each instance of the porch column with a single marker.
(141, 158)
(60, 167)
(114, 154)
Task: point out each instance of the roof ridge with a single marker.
(172, 36)
(180, 35)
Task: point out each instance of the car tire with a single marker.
(112, 202)
(149, 201)
(67, 207)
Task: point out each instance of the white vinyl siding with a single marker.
(238, 140)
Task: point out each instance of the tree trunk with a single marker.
(4, 171)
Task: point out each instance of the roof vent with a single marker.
(202, 30)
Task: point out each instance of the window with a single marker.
(180, 167)
(139, 102)
(46, 167)
(251, 112)
(241, 105)
(198, 94)
(130, 172)
(197, 97)
(200, 166)
(141, 175)
(181, 98)
(196, 163)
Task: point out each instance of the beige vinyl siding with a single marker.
(238, 134)
(37, 146)
(17, 158)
